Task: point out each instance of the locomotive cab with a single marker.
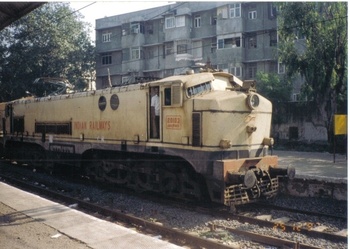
(227, 125)
(221, 127)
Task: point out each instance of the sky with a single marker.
(100, 9)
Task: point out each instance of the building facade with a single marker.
(235, 37)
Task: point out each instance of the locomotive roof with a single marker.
(197, 78)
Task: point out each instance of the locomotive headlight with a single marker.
(253, 101)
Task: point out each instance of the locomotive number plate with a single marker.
(173, 122)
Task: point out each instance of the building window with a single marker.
(137, 28)
(252, 68)
(125, 29)
(180, 21)
(169, 48)
(221, 43)
(237, 42)
(232, 42)
(296, 97)
(106, 59)
(136, 53)
(213, 46)
(252, 14)
(172, 22)
(252, 42)
(149, 28)
(281, 68)
(181, 49)
(213, 20)
(236, 71)
(197, 21)
(235, 10)
(106, 37)
(272, 11)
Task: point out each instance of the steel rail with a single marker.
(319, 214)
(265, 239)
(285, 227)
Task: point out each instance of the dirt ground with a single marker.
(18, 231)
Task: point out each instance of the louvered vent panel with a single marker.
(196, 129)
(176, 96)
(54, 128)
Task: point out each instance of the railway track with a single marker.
(300, 211)
(209, 239)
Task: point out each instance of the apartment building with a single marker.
(236, 37)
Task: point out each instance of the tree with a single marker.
(51, 41)
(313, 43)
(278, 90)
(273, 87)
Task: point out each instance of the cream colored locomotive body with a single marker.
(211, 124)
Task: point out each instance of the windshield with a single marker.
(199, 89)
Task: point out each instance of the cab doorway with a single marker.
(155, 113)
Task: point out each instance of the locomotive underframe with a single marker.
(176, 172)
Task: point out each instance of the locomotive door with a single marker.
(155, 113)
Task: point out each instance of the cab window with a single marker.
(167, 96)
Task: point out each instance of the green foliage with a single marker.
(278, 90)
(51, 41)
(313, 43)
(273, 87)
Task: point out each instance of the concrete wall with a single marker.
(306, 131)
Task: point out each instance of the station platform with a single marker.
(78, 226)
(315, 165)
(316, 174)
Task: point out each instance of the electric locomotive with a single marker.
(211, 137)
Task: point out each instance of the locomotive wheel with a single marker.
(190, 190)
(93, 170)
(114, 172)
(170, 184)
